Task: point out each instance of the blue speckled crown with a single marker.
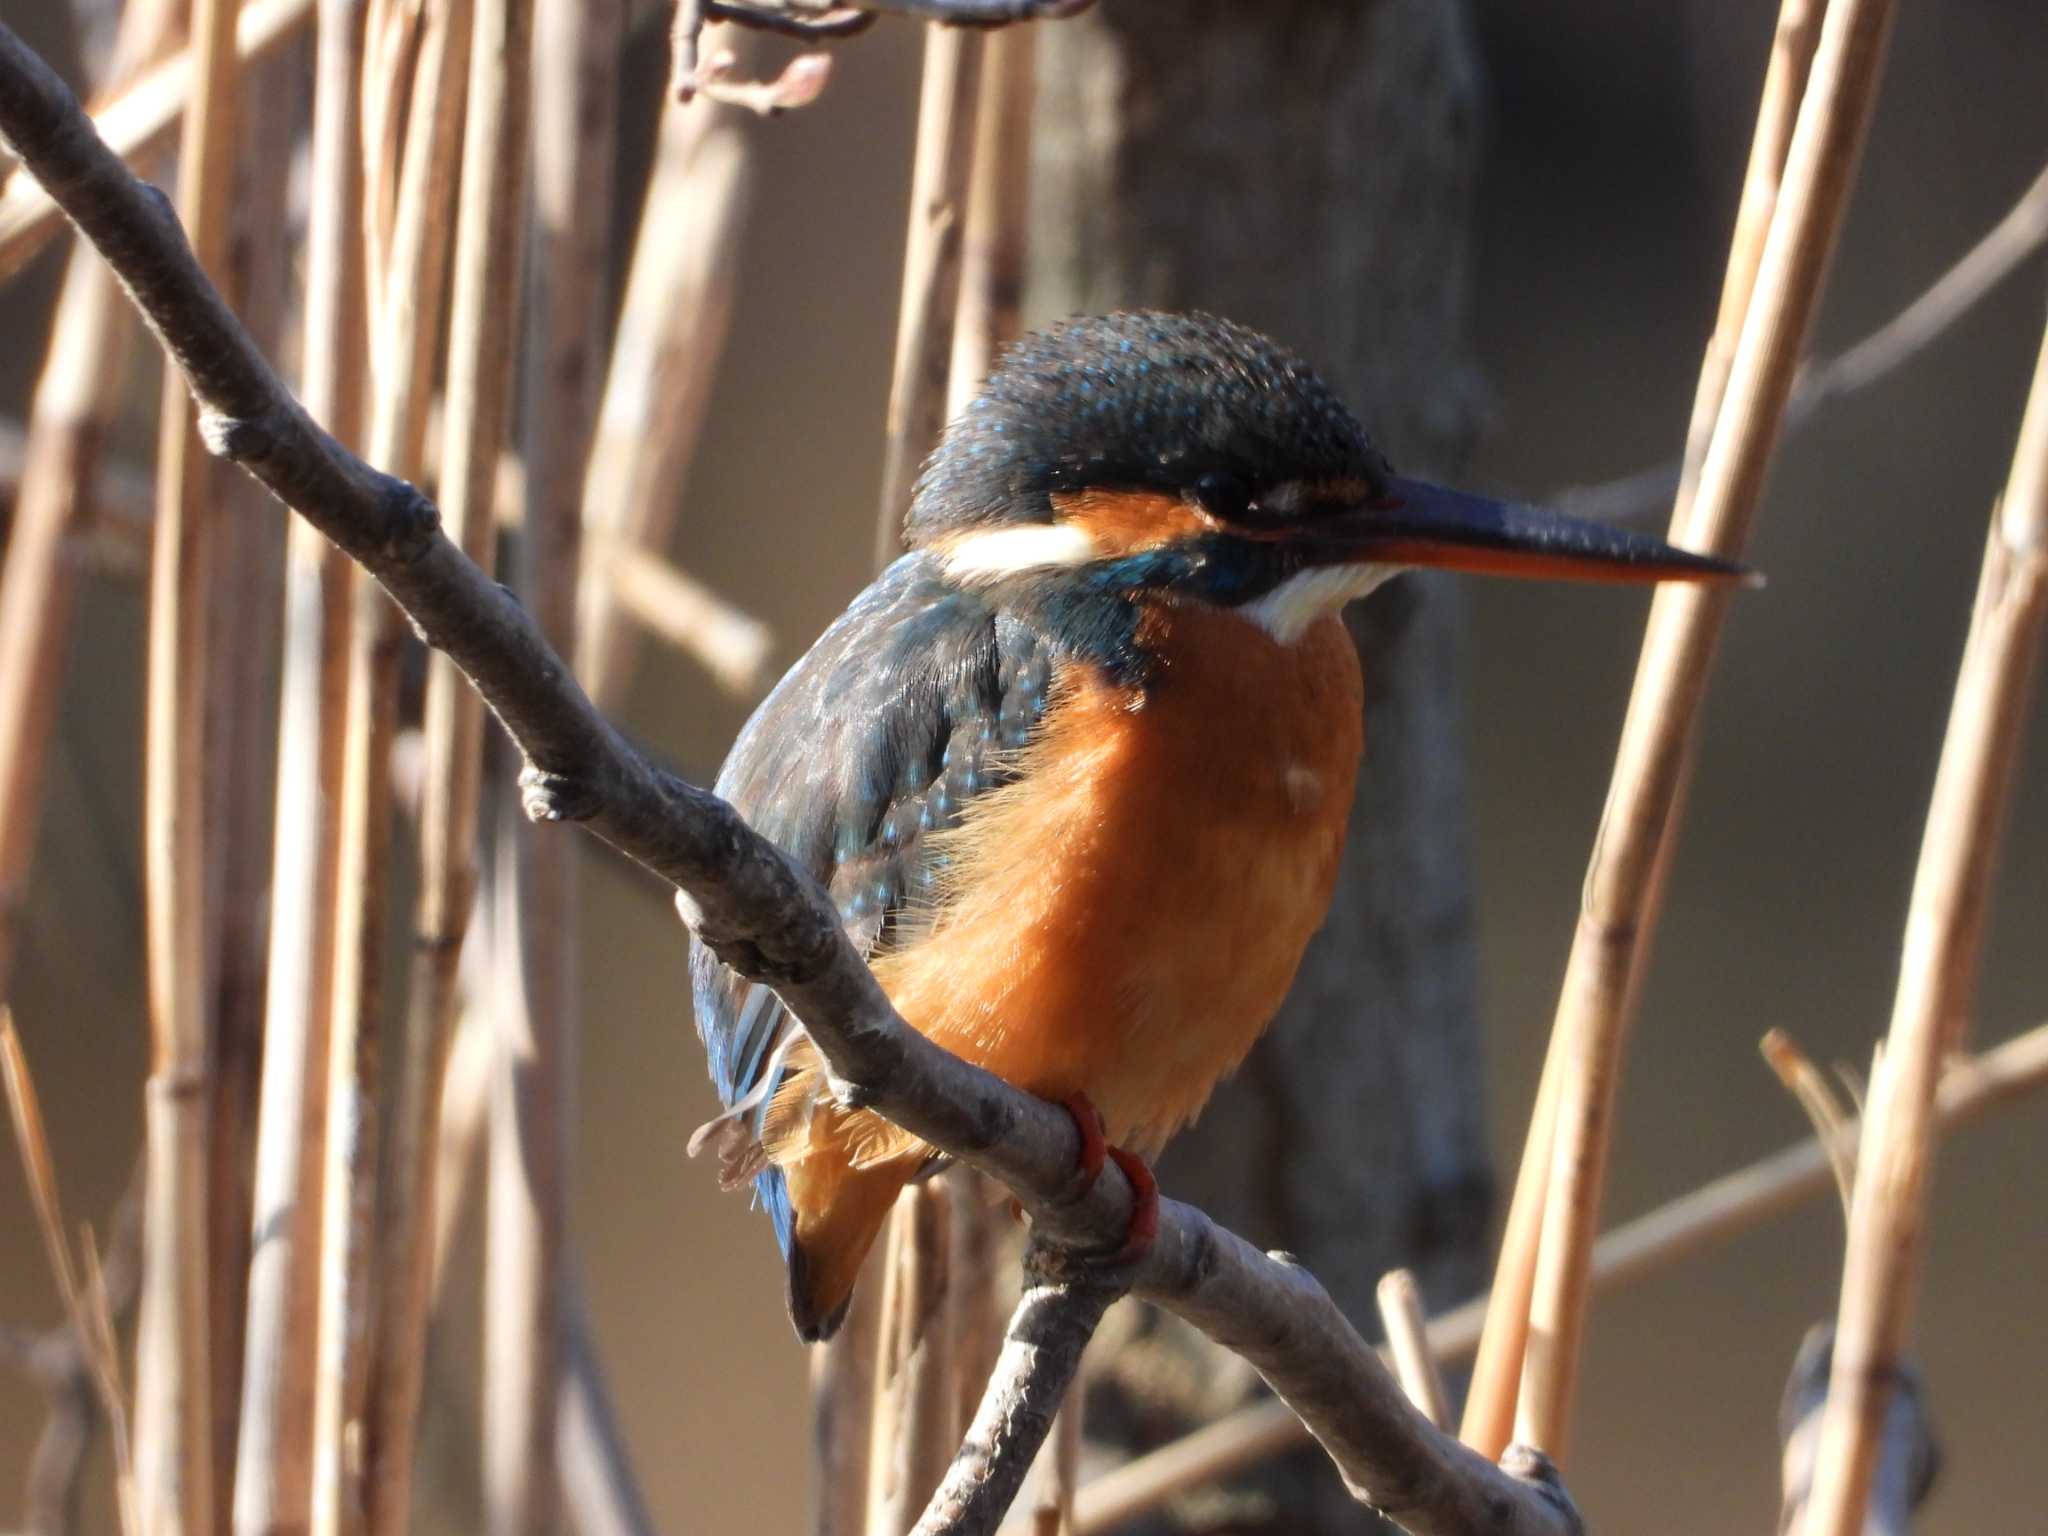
(1137, 400)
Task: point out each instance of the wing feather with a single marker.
(909, 706)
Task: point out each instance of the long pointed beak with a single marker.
(1427, 525)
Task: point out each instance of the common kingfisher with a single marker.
(1076, 769)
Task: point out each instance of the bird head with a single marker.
(1189, 457)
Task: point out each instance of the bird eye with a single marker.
(1222, 494)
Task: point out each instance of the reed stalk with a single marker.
(672, 332)
(575, 117)
(174, 1451)
(931, 270)
(1497, 1371)
(1625, 880)
(1736, 1202)
(404, 334)
(482, 346)
(273, 1484)
(1938, 968)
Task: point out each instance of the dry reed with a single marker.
(174, 1452)
(404, 333)
(1497, 1372)
(1937, 979)
(1736, 1202)
(273, 1484)
(1653, 761)
(931, 270)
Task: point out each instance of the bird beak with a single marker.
(1418, 524)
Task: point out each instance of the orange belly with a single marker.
(1125, 918)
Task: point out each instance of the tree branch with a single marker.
(745, 899)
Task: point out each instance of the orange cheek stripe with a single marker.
(1130, 522)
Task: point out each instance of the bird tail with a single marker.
(840, 1210)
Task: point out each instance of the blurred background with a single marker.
(1613, 140)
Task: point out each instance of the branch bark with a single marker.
(747, 901)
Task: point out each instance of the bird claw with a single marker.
(1095, 1151)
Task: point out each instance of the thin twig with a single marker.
(1654, 758)
(1937, 977)
(931, 271)
(138, 120)
(1054, 1320)
(482, 345)
(1817, 1096)
(1650, 1244)
(672, 332)
(2004, 249)
(1490, 1404)
(273, 1485)
(747, 902)
(174, 1429)
(1400, 1302)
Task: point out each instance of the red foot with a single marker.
(1095, 1150)
(1144, 1206)
(1094, 1139)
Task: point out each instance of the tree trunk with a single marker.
(1307, 166)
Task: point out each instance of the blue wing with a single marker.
(900, 714)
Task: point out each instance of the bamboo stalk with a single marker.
(1937, 979)
(138, 119)
(1656, 751)
(1497, 1372)
(931, 270)
(672, 333)
(273, 1484)
(1400, 1304)
(403, 340)
(990, 309)
(1736, 1202)
(575, 115)
(174, 1457)
(482, 346)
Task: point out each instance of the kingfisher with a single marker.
(1076, 769)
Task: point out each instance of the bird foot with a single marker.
(1095, 1151)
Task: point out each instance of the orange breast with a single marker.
(1126, 917)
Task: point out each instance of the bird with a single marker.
(1076, 768)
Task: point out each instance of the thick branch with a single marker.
(745, 899)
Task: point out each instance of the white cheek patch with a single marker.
(1289, 609)
(993, 553)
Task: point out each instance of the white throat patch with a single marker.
(1286, 612)
(992, 553)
